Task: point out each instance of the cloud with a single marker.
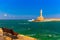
(11, 16)
(5, 15)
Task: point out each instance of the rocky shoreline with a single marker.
(9, 34)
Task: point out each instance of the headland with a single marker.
(9, 34)
(42, 19)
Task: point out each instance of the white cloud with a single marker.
(5, 15)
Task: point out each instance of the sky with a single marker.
(28, 9)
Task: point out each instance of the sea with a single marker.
(38, 30)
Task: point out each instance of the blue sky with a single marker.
(28, 9)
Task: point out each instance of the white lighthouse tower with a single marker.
(41, 12)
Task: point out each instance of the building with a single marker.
(42, 19)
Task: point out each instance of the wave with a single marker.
(23, 23)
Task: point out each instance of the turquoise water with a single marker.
(39, 30)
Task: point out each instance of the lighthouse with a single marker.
(41, 12)
(40, 18)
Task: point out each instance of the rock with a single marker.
(22, 37)
(7, 38)
(1, 38)
(7, 34)
(1, 32)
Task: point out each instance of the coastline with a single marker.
(7, 34)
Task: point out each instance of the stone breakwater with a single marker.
(9, 34)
